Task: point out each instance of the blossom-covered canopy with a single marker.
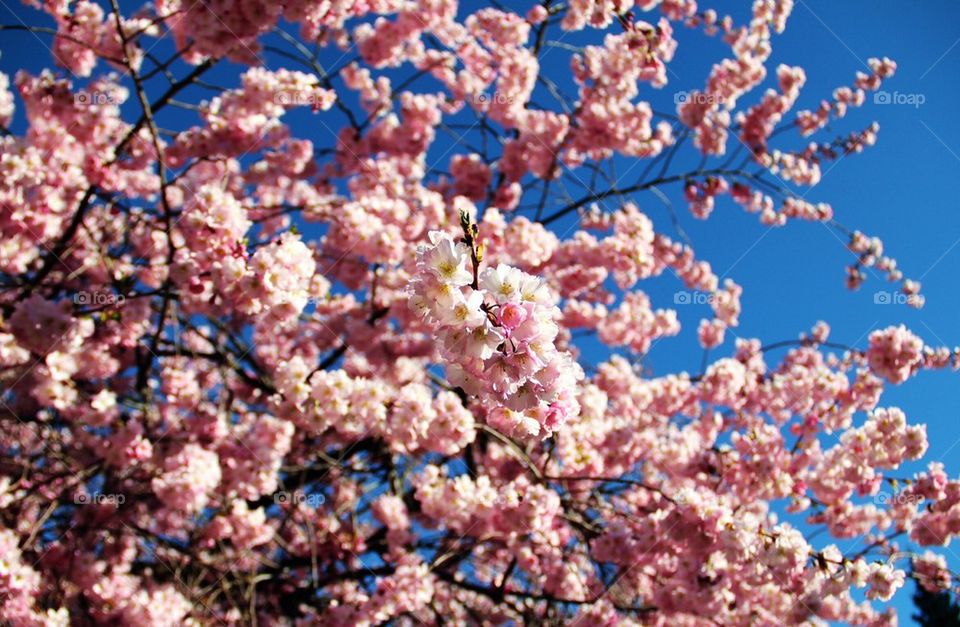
(259, 376)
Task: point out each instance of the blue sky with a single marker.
(903, 190)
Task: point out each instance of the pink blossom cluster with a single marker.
(707, 112)
(884, 441)
(19, 585)
(701, 195)
(219, 29)
(471, 177)
(895, 353)
(85, 35)
(845, 97)
(804, 167)
(497, 329)
(243, 527)
(162, 605)
(869, 251)
(188, 478)
(409, 417)
(608, 78)
(46, 171)
(216, 268)
(242, 120)
(6, 101)
(939, 497)
(930, 571)
(760, 121)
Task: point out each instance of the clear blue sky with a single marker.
(904, 189)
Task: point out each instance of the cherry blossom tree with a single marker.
(259, 376)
